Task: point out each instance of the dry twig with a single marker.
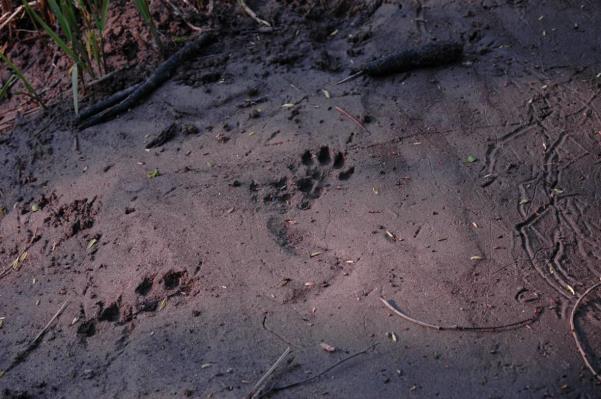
(352, 118)
(5, 19)
(500, 328)
(252, 14)
(258, 386)
(575, 333)
(324, 372)
(34, 343)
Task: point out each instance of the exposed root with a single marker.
(575, 333)
(126, 99)
(504, 327)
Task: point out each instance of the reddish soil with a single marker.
(272, 226)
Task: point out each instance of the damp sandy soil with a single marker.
(470, 197)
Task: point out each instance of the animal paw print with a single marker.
(318, 167)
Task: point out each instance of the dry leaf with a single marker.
(391, 336)
(326, 93)
(314, 254)
(569, 287)
(162, 304)
(288, 105)
(206, 365)
(1, 321)
(475, 257)
(16, 264)
(92, 242)
(327, 348)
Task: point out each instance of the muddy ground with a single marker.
(471, 197)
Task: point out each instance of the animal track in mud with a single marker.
(144, 287)
(318, 168)
(309, 178)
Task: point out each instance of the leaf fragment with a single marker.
(162, 304)
(392, 336)
(35, 207)
(475, 257)
(18, 262)
(471, 159)
(569, 287)
(326, 93)
(153, 173)
(328, 348)
(91, 243)
(391, 236)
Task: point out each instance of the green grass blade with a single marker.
(7, 85)
(103, 16)
(55, 38)
(144, 11)
(75, 88)
(21, 77)
(62, 20)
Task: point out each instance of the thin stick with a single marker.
(13, 15)
(47, 326)
(575, 333)
(273, 332)
(34, 343)
(257, 388)
(324, 372)
(503, 327)
(352, 118)
(351, 77)
(252, 14)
